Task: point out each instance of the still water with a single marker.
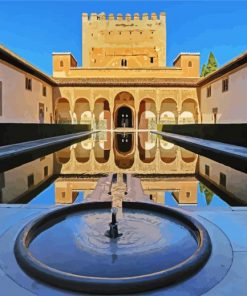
(165, 173)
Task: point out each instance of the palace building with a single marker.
(124, 81)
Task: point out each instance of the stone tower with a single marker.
(117, 41)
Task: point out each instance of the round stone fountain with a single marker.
(150, 246)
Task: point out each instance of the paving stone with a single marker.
(10, 288)
(234, 225)
(235, 281)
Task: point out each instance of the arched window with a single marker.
(61, 63)
(190, 64)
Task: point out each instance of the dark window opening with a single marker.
(206, 170)
(123, 63)
(208, 91)
(30, 180)
(44, 91)
(45, 171)
(225, 85)
(28, 83)
(190, 64)
(151, 60)
(187, 194)
(61, 63)
(222, 179)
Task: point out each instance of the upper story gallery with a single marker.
(124, 81)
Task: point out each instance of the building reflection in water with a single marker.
(24, 182)
(162, 168)
(124, 150)
(140, 153)
(160, 165)
(229, 183)
(67, 189)
(184, 189)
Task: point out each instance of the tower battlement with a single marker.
(132, 41)
(122, 17)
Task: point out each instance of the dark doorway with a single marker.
(124, 117)
(215, 117)
(41, 113)
(215, 111)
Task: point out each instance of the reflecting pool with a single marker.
(166, 174)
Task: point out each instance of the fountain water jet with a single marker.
(113, 231)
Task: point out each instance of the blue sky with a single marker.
(35, 29)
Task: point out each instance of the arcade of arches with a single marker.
(106, 109)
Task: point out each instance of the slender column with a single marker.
(198, 115)
(157, 119)
(137, 127)
(179, 111)
(111, 115)
(72, 110)
(178, 159)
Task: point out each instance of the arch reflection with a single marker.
(146, 147)
(124, 150)
(102, 148)
(141, 152)
(168, 151)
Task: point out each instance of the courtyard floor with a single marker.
(224, 273)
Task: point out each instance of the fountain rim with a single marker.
(109, 285)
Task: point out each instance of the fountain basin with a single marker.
(67, 248)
